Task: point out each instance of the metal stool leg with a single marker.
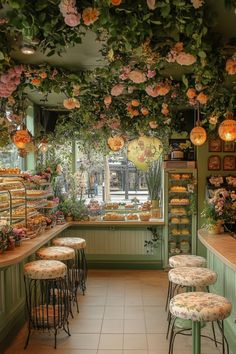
(196, 337)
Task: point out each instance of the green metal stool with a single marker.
(200, 307)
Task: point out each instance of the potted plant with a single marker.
(66, 207)
(153, 180)
(79, 210)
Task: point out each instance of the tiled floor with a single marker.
(121, 313)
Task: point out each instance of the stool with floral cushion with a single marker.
(190, 278)
(80, 265)
(67, 256)
(185, 260)
(47, 297)
(199, 307)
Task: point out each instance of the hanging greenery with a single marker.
(143, 42)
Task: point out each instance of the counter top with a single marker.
(222, 245)
(30, 246)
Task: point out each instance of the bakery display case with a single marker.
(127, 212)
(180, 212)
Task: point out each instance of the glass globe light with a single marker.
(43, 145)
(198, 136)
(227, 130)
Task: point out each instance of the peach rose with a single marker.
(197, 3)
(162, 89)
(135, 103)
(135, 113)
(43, 75)
(144, 111)
(165, 109)
(151, 4)
(202, 98)
(137, 76)
(90, 15)
(116, 142)
(153, 124)
(116, 2)
(36, 81)
(230, 66)
(71, 103)
(191, 93)
(107, 100)
(117, 90)
(185, 58)
(150, 90)
(178, 47)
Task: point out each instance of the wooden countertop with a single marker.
(30, 246)
(222, 245)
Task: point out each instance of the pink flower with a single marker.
(151, 73)
(114, 123)
(150, 90)
(72, 20)
(99, 124)
(151, 4)
(5, 78)
(185, 58)
(117, 90)
(18, 69)
(125, 73)
(67, 7)
(137, 76)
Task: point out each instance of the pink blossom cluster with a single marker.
(10, 80)
(69, 12)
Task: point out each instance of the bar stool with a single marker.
(47, 297)
(200, 307)
(78, 244)
(190, 278)
(67, 256)
(183, 260)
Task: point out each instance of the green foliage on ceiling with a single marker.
(142, 41)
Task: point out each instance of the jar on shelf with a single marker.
(177, 154)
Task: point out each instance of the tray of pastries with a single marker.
(178, 211)
(113, 217)
(179, 201)
(132, 217)
(178, 189)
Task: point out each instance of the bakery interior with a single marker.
(118, 176)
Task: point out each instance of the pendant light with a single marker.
(43, 145)
(198, 134)
(227, 129)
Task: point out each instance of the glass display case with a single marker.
(180, 212)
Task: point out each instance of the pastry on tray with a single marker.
(132, 217)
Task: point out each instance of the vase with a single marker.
(154, 203)
(69, 218)
(215, 229)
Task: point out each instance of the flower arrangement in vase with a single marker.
(219, 209)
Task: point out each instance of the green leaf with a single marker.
(156, 22)
(16, 4)
(202, 54)
(165, 11)
(1, 56)
(185, 81)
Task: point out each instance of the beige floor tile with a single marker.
(135, 341)
(158, 325)
(92, 300)
(80, 325)
(115, 301)
(134, 312)
(115, 291)
(133, 301)
(135, 351)
(154, 300)
(91, 312)
(113, 326)
(114, 312)
(80, 341)
(109, 351)
(96, 291)
(157, 341)
(154, 312)
(111, 341)
(134, 326)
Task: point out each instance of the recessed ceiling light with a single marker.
(27, 49)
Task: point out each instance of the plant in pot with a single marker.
(80, 211)
(66, 207)
(153, 180)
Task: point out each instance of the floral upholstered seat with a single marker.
(45, 269)
(59, 253)
(187, 261)
(200, 306)
(73, 242)
(192, 276)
